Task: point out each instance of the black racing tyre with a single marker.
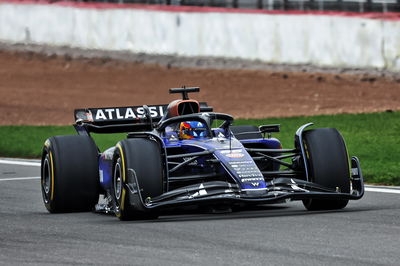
(70, 174)
(328, 166)
(143, 156)
(246, 132)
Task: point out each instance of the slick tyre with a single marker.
(142, 157)
(69, 174)
(328, 163)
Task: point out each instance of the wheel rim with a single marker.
(118, 180)
(46, 182)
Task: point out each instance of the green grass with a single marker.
(373, 138)
(27, 141)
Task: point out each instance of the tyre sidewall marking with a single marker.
(122, 203)
(52, 177)
(48, 195)
(306, 150)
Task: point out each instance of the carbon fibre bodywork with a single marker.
(262, 187)
(220, 168)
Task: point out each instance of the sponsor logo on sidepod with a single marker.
(233, 153)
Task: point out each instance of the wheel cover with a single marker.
(118, 180)
(46, 178)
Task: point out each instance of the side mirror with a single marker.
(269, 128)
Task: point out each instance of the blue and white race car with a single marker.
(184, 154)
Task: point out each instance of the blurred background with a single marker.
(321, 5)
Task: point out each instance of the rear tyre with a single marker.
(69, 174)
(328, 163)
(143, 156)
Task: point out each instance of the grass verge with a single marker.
(373, 138)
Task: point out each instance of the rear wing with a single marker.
(122, 119)
(118, 115)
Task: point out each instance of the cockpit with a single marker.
(185, 119)
(187, 130)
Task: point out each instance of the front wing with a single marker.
(218, 192)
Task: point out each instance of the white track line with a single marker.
(24, 163)
(382, 190)
(20, 178)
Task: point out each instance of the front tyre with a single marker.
(142, 157)
(328, 163)
(69, 174)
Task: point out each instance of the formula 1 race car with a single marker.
(184, 154)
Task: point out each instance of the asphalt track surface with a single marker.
(367, 232)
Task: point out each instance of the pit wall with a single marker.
(321, 39)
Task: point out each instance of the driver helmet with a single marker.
(192, 130)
